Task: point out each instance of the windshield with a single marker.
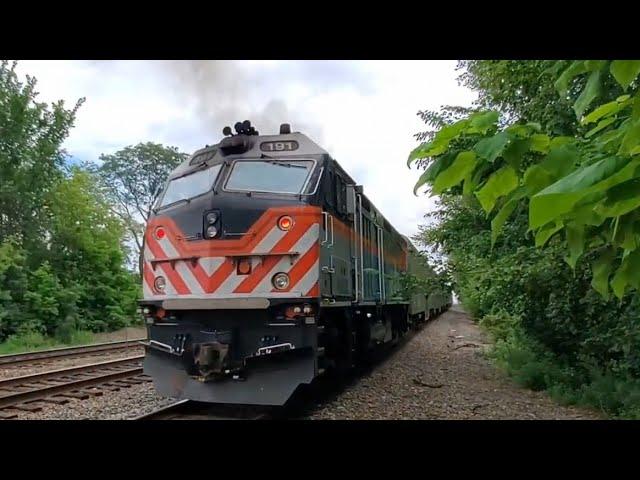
(270, 176)
(190, 185)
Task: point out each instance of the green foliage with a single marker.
(31, 341)
(61, 248)
(563, 177)
(543, 296)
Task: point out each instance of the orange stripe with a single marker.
(212, 248)
(283, 245)
(301, 267)
(220, 275)
(171, 274)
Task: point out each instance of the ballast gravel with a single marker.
(125, 404)
(442, 372)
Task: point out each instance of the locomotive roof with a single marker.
(213, 154)
(306, 146)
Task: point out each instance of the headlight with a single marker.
(280, 281)
(212, 231)
(212, 217)
(160, 284)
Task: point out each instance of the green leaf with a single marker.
(540, 143)
(440, 142)
(417, 152)
(575, 242)
(559, 198)
(536, 178)
(503, 214)
(601, 126)
(592, 65)
(627, 274)
(500, 183)
(635, 110)
(625, 71)
(473, 178)
(545, 233)
(535, 126)
(481, 122)
(492, 147)
(621, 199)
(515, 151)
(590, 92)
(561, 160)
(587, 215)
(430, 174)
(602, 111)
(601, 269)
(464, 163)
(631, 138)
(562, 83)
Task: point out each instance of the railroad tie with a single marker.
(28, 407)
(5, 414)
(110, 387)
(131, 381)
(56, 400)
(121, 383)
(76, 394)
(93, 391)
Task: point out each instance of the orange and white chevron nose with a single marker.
(284, 240)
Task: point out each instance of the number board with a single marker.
(279, 146)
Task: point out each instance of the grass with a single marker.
(33, 341)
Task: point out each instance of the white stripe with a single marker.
(302, 246)
(233, 280)
(147, 293)
(308, 281)
(211, 264)
(269, 241)
(147, 253)
(188, 278)
(169, 289)
(181, 267)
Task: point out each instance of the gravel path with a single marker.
(442, 373)
(40, 366)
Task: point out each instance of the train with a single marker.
(266, 266)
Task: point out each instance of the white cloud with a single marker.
(362, 112)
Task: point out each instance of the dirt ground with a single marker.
(443, 373)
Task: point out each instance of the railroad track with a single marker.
(190, 410)
(28, 392)
(67, 352)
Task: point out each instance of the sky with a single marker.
(364, 113)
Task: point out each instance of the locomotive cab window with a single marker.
(272, 176)
(189, 186)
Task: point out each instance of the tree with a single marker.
(585, 185)
(132, 178)
(31, 158)
(86, 252)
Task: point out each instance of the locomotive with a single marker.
(265, 264)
